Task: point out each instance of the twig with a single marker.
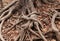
(40, 32)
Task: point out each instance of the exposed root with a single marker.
(3, 14)
(40, 31)
(56, 30)
(29, 19)
(8, 15)
(1, 37)
(13, 26)
(9, 5)
(31, 24)
(53, 24)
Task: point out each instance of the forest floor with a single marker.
(29, 20)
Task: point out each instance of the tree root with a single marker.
(53, 24)
(9, 5)
(1, 37)
(30, 14)
(54, 28)
(3, 14)
(8, 15)
(40, 32)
